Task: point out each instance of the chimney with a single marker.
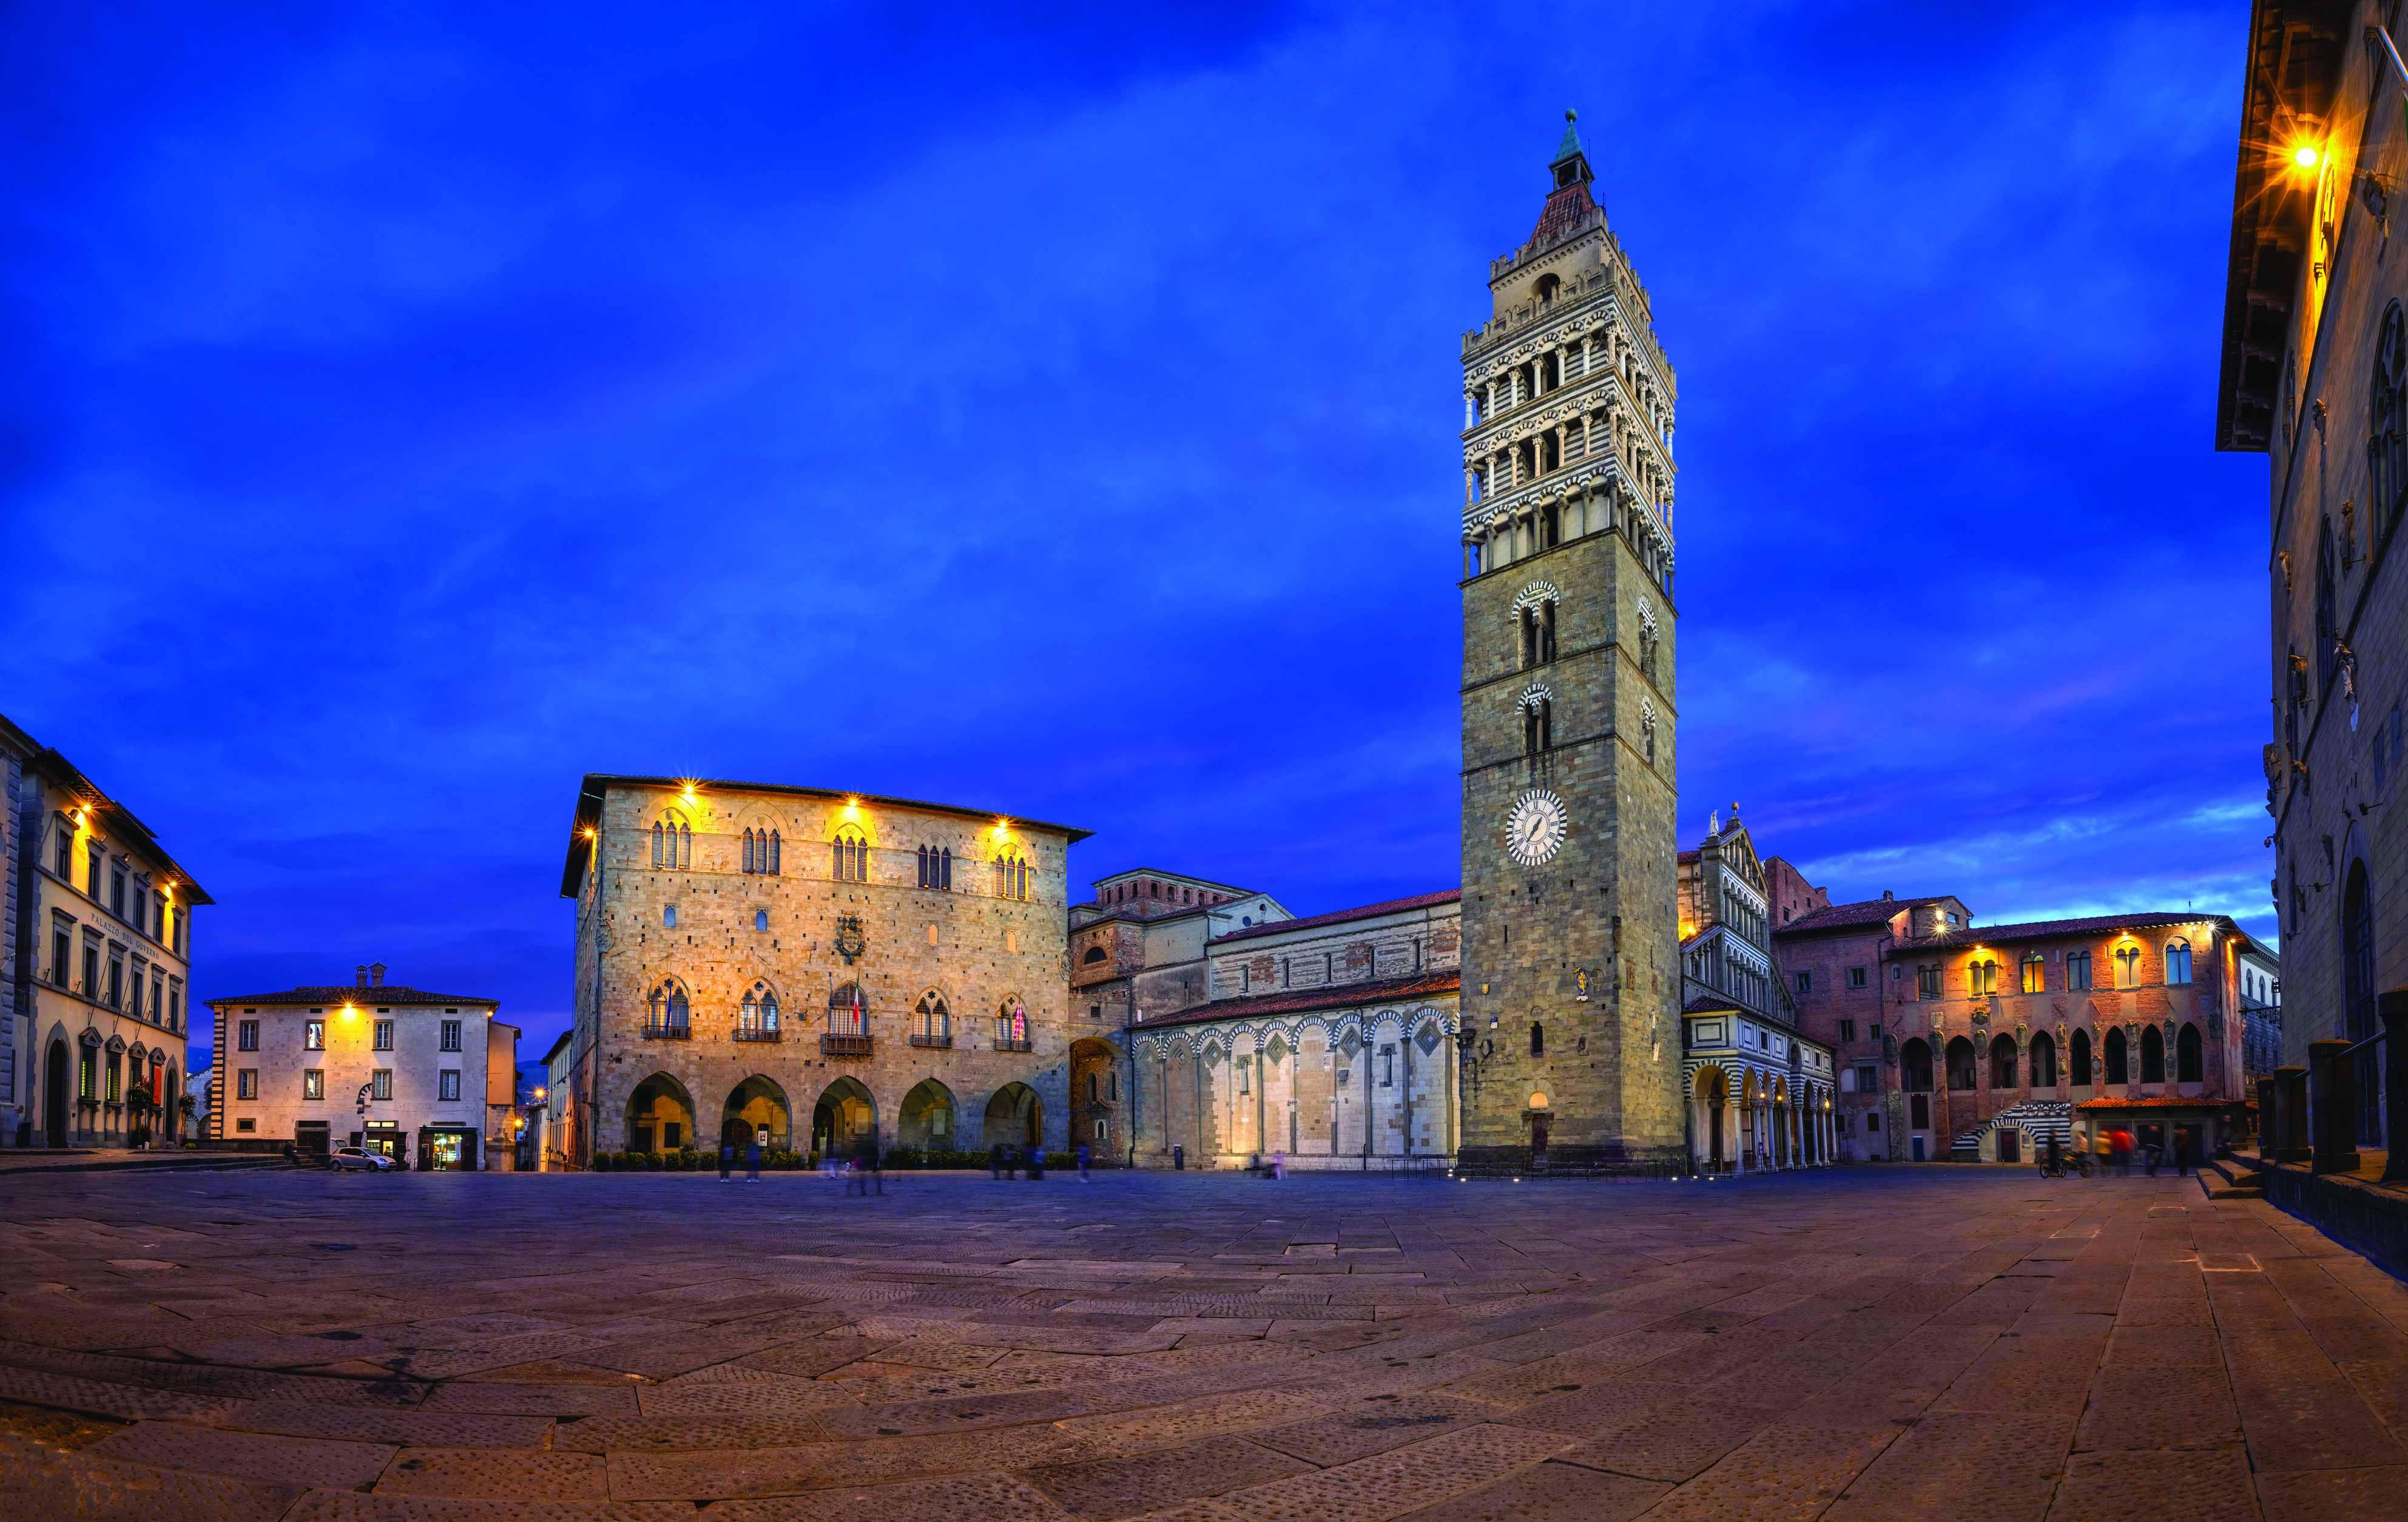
(1887, 896)
(376, 974)
(363, 975)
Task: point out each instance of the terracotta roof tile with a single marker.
(2094, 924)
(1339, 916)
(351, 993)
(1347, 996)
(2168, 1101)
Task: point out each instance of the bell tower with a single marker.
(1571, 977)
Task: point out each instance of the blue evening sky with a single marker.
(1053, 409)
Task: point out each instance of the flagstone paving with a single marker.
(1865, 1342)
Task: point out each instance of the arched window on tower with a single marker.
(1538, 1039)
(1538, 632)
(2177, 961)
(1647, 729)
(1538, 707)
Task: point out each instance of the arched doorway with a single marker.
(660, 1115)
(1751, 1100)
(54, 1094)
(1015, 1117)
(1095, 1093)
(1713, 1096)
(1781, 1158)
(845, 1117)
(2043, 1060)
(1914, 1077)
(2002, 1061)
(1961, 1064)
(926, 1119)
(754, 1106)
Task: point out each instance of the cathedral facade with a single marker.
(1570, 967)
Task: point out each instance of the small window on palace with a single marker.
(1926, 981)
(1848, 1030)
(314, 1083)
(760, 919)
(2077, 971)
(668, 916)
(451, 1035)
(313, 1036)
(384, 1035)
(1093, 954)
(1805, 983)
(2034, 974)
(380, 1083)
(2177, 961)
(1538, 1039)
(246, 1083)
(447, 1084)
(1855, 977)
(246, 1036)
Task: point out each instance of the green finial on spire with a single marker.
(1570, 146)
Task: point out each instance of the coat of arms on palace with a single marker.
(850, 943)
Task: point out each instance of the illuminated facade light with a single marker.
(2305, 156)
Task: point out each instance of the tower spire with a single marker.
(1570, 163)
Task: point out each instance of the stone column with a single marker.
(2393, 1009)
(2332, 1106)
(2291, 1114)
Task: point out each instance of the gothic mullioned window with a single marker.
(2386, 444)
(762, 849)
(757, 1017)
(850, 850)
(932, 1020)
(1012, 1024)
(936, 867)
(668, 1010)
(672, 842)
(2177, 961)
(1010, 874)
(2127, 967)
(849, 1011)
(2035, 973)
(2327, 610)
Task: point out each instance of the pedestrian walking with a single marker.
(994, 1162)
(726, 1158)
(1279, 1165)
(1035, 1164)
(1011, 1163)
(752, 1161)
(2054, 1166)
(1083, 1163)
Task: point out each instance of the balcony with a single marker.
(757, 1033)
(844, 1046)
(667, 1031)
(1004, 1044)
(940, 1043)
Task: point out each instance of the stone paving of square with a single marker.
(1865, 1342)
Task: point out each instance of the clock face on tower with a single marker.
(1534, 829)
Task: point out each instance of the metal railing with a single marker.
(833, 1045)
(1005, 1045)
(940, 1041)
(757, 1033)
(667, 1031)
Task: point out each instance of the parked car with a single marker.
(358, 1157)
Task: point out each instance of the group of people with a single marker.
(1004, 1161)
(2113, 1147)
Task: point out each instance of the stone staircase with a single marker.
(2038, 1120)
(2229, 1178)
